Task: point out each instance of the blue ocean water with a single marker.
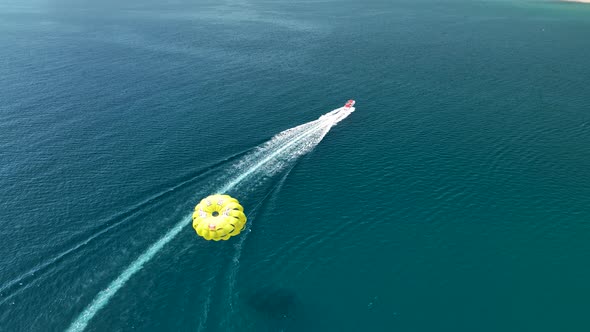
(455, 197)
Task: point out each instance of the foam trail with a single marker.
(326, 121)
(321, 126)
(205, 313)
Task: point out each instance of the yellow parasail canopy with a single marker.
(218, 217)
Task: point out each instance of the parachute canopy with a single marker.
(218, 217)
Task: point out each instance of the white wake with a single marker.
(265, 161)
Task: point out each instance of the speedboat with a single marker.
(349, 103)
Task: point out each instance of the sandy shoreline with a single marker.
(582, 1)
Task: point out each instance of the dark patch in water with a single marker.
(274, 302)
(280, 307)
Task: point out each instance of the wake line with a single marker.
(104, 296)
(236, 259)
(265, 160)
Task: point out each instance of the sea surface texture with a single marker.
(456, 197)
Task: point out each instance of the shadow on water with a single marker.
(279, 309)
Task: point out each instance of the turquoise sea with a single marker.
(455, 198)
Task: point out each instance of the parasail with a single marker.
(218, 217)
